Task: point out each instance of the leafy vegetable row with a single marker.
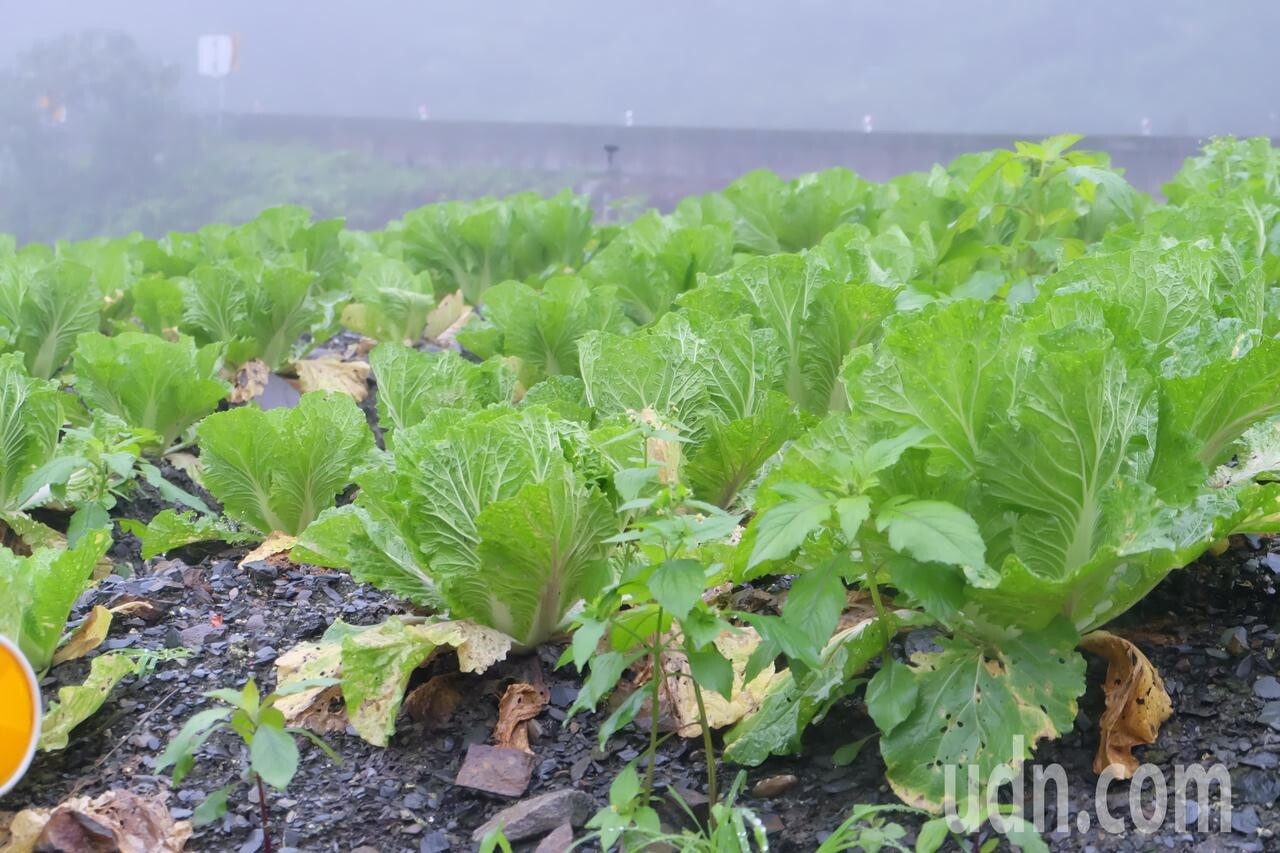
(1003, 399)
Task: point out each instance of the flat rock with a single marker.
(496, 770)
(1256, 787)
(773, 786)
(1245, 821)
(1267, 687)
(1270, 715)
(539, 815)
(434, 842)
(1261, 760)
(560, 840)
(195, 635)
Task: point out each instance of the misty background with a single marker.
(106, 127)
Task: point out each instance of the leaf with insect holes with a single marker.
(976, 708)
(78, 702)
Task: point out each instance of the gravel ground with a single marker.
(1211, 630)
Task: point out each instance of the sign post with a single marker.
(217, 56)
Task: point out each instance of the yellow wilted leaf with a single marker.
(189, 464)
(87, 637)
(374, 664)
(449, 316)
(276, 543)
(478, 647)
(679, 703)
(319, 709)
(1137, 703)
(334, 374)
(663, 451)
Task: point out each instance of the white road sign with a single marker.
(216, 55)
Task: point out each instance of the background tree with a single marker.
(85, 123)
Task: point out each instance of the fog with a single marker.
(926, 65)
(106, 126)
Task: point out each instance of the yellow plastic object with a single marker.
(19, 714)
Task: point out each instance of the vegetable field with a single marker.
(789, 520)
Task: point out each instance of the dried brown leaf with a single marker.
(141, 608)
(103, 568)
(115, 822)
(519, 704)
(11, 540)
(858, 608)
(718, 595)
(434, 702)
(249, 382)
(752, 599)
(1136, 703)
(19, 830)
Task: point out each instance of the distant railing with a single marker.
(664, 163)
